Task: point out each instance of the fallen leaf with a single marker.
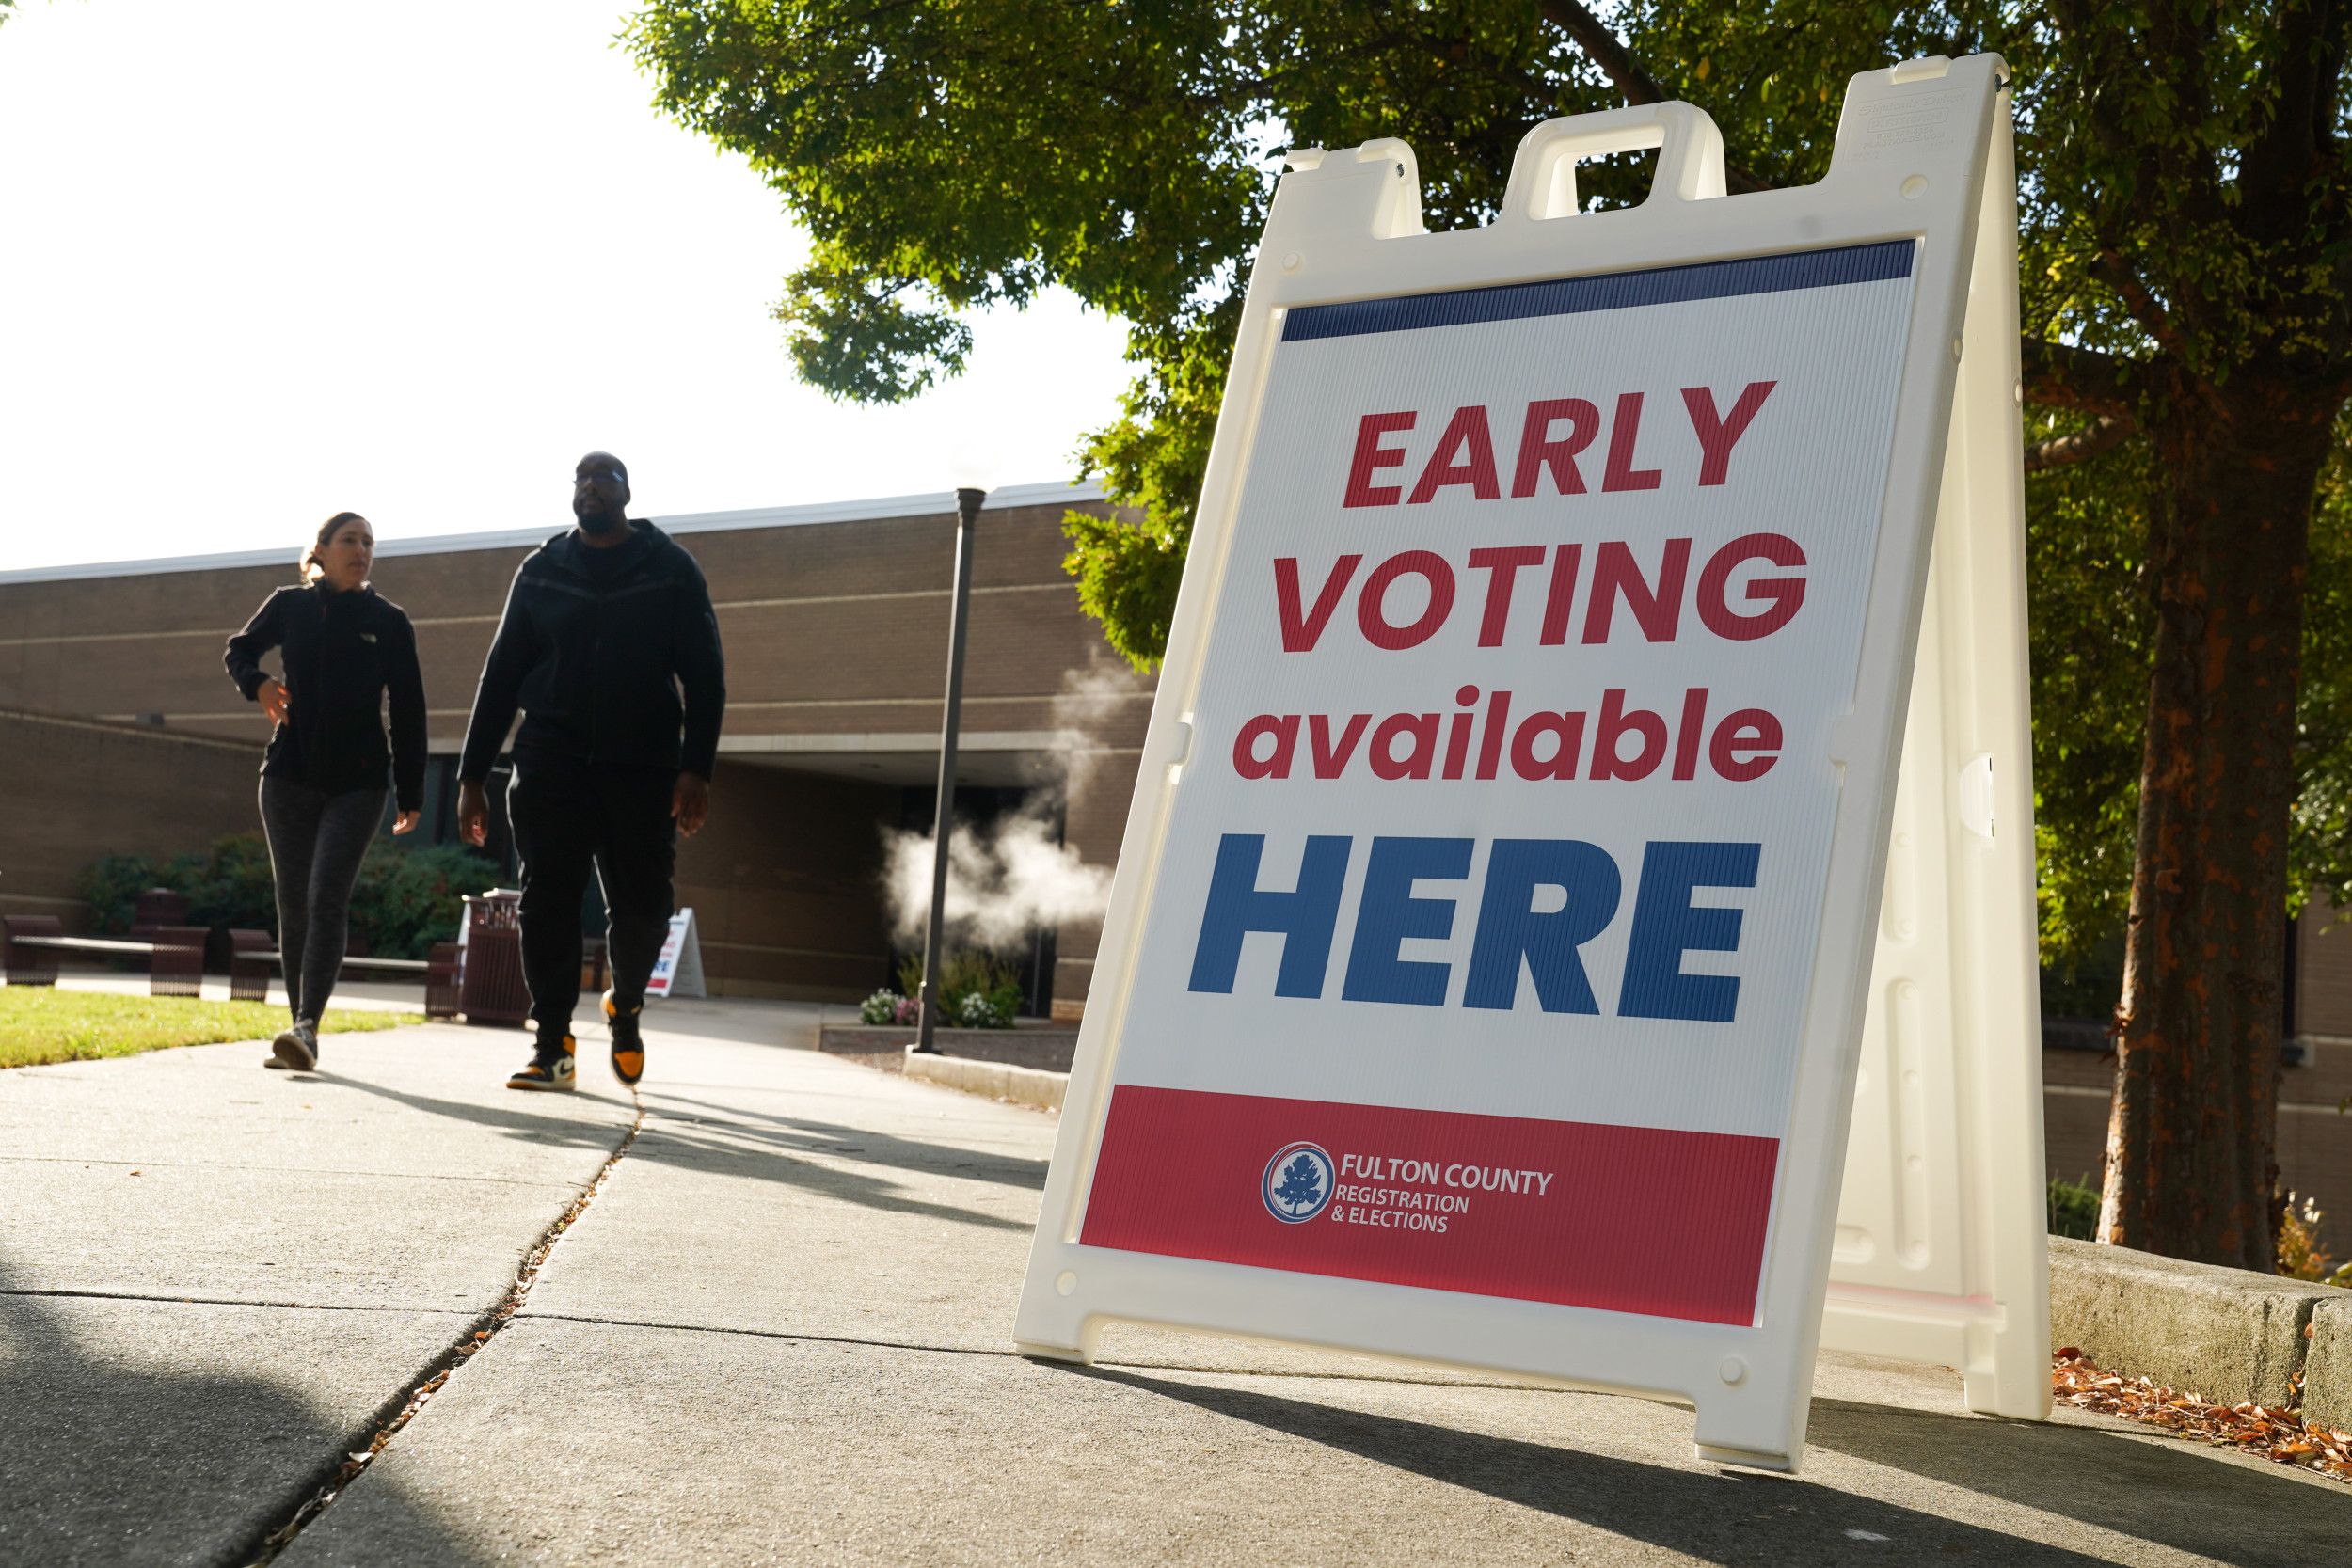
(2276, 1434)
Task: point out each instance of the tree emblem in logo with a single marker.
(1298, 1182)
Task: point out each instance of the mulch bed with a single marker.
(2268, 1430)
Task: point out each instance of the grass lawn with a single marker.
(41, 1023)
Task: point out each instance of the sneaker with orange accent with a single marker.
(553, 1066)
(629, 1044)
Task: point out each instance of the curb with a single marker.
(2231, 1335)
(1046, 1049)
(1023, 1086)
(2327, 1366)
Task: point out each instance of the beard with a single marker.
(600, 523)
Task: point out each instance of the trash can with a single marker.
(492, 991)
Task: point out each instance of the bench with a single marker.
(33, 943)
(175, 954)
(253, 954)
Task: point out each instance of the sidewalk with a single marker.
(779, 1334)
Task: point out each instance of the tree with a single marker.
(2190, 222)
(2185, 239)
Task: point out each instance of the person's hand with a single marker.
(272, 696)
(690, 802)
(473, 812)
(406, 821)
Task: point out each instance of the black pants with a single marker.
(316, 843)
(569, 817)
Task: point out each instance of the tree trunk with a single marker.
(2193, 1133)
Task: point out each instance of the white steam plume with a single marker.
(1091, 703)
(1000, 882)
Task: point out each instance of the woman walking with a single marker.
(323, 780)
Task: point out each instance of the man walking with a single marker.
(604, 626)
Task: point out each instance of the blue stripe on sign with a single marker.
(1615, 291)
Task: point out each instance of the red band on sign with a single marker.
(1628, 1219)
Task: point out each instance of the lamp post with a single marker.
(973, 473)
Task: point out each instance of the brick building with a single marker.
(836, 623)
(2315, 1126)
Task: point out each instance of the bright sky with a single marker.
(267, 260)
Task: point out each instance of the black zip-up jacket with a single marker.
(342, 653)
(595, 650)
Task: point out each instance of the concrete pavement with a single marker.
(214, 1278)
(780, 1335)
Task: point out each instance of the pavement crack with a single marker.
(403, 1405)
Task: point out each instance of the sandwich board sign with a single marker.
(1492, 946)
(1939, 1253)
(678, 970)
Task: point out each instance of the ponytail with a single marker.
(309, 566)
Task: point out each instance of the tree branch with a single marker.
(1617, 62)
(1633, 83)
(2116, 274)
(2059, 375)
(2109, 431)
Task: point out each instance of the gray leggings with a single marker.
(316, 842)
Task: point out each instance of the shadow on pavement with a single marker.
(530, 1126)
(1727, 1517)
(667, 1141)
(788, 1026)
(763, 1148)
(826, 1137)
(2154, 1489)
(107, 1463)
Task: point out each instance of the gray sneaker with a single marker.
(298, 1047)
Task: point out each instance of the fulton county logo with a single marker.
(1297, 1183)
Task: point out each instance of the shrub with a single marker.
(109, 885)
(976, 992)
(226, 885)
(408, 899)
(2300, 1256)
(2074, 1210)
(978, 1010)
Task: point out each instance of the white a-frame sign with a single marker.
(1490, 968)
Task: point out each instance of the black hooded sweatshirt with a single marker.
(343, 651)
(593, 648)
